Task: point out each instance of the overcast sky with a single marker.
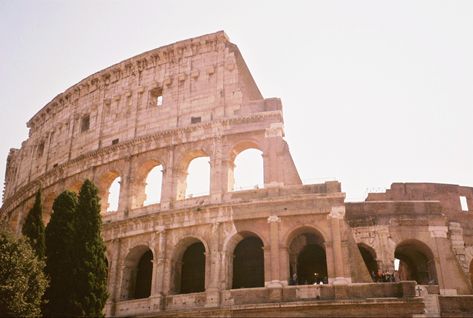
(374, 92)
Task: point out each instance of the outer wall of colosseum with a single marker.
(232, 253)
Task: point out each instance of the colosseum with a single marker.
(283, 249)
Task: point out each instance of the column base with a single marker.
(338, 281)
(157, 302)
(212, 298)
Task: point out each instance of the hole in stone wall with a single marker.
(195, 120)
(114, 195)
(115, 141)
(40, 150)
(153, 185)
(85, 123)
(464, 203)
(156, 96)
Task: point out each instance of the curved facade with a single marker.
(251, 252)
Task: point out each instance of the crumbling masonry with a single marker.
(233, 253)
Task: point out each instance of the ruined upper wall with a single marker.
(194, 81)
(447, 194)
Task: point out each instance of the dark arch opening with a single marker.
(248, 263)
(311, 265)
(193, 269)
(369, 258)
(308, 261)
(416, 263)
(144, 273)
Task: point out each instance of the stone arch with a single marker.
(137, 273)
(369, 257)
(104, 182)
(416, 262)
(140, 180)
(235, 151)
(75, 185)
(189, 266)
(240, 248)
(307, 256)
(48, 201)
(181, 172)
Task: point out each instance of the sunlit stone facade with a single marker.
(233, 253)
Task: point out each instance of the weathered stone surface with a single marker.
(197, 98)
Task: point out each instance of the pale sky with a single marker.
(374, 92)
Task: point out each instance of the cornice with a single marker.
(166, 54)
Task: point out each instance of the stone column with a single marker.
(167, 187)
(275, 285)
(272, 166)
(126, 187)
(218, 178)
(212, 290)
(114, 278)
(337, 213)
(157, 286)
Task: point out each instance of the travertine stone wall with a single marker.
(110, 123)
(197, 98)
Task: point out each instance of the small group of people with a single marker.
(317, 280)
(385, 277)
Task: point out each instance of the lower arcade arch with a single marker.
(307, 259)
(189, 268)
(248, 263)
(138, 273)
(369, 257)
(416, 262)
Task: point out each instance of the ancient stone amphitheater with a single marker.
(286, 249)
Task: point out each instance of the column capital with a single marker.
(274, 219)
(337, 212)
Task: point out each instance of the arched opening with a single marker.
(113, 195)
(138, 273)
(308, 260)
(153, 187)
(48, 207)
(248, 170)
(75, 186)
(248, 263)
(191, 277)
(369, 257)
(198, 177)
(416, 262)
(144, 274)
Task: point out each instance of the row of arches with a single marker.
(413, 260)
(245, 263)
(246, 173)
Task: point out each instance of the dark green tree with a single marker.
(60, 261)
(33, 228)
(90, 264)
(22, 280)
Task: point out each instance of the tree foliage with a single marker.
(90, 261)
(33, 228)
(22, 281)
(60, 262)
